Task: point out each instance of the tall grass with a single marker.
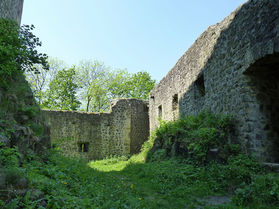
(153, 178)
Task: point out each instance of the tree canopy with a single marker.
(18, 50)
(62, 91)
(92, 77)
(89, 86)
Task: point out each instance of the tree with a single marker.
(98, 85)
(18, 50)
(39, 78)
(55, 65)
(125, 85)
(62, 91)
(117, 85)
(140, 84)
(99, 94)
(92, 77)
(38, 81)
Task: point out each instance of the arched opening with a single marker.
(264, 83)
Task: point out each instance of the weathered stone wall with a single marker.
(139, 125)
(122, 131)
(231, 68)
(11, 9)
(18, 109)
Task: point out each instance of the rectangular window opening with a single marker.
(175, 102)
(83, 147)
(200, 85)
(160, 111)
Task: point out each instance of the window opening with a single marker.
(83, 147)
(175, 102)
(200, 85)
(160, 111)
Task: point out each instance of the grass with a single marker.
(122, 182)
(172, 183)
(134, 182)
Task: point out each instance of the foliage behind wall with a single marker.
(95, 85)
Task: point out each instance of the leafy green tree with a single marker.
(92, 77)
(62, 91)
(117, 85)
(140, 84)
(18, 50)
(100, 100)
(98, 85)
(126, 85)
(39, 78)
(55, 65)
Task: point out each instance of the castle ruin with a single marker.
(232, 68)
(99, 135)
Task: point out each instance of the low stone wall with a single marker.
(11, 9)
(233, 67)
(99, 135)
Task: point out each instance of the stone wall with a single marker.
(233, 67)
(11, 9)
(98, 135)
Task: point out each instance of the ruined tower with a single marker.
(11, 9)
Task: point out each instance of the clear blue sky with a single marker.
(148, 35)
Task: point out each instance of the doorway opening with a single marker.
(264, 76)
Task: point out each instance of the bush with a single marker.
(9, 157)
(13, 175)
(264, 189)
(193, 137)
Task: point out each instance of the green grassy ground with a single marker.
(159, 182)
(133, 183)
(172, 183)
